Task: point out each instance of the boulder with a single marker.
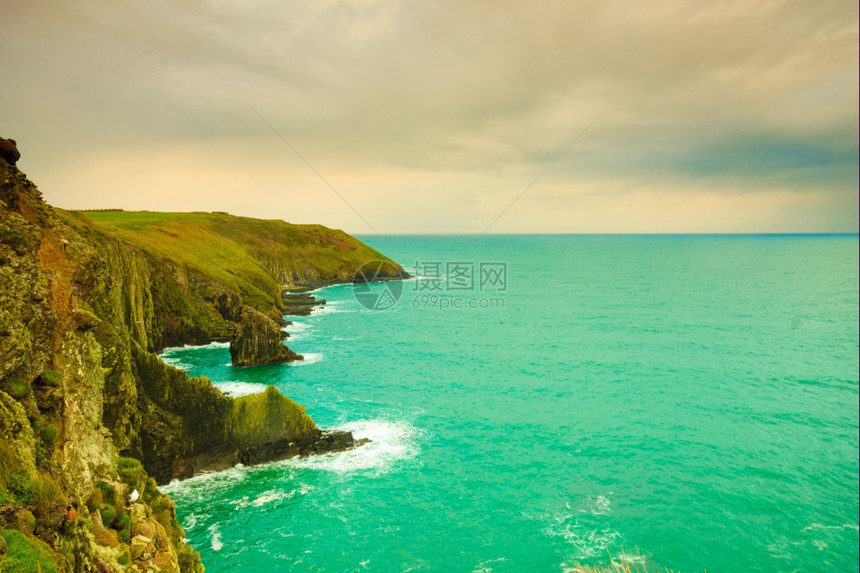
(9, 151)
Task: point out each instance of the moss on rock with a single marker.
(16, 387)
(258, 418)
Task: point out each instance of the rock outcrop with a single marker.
(257, 341)
(300, 304)
(9, 151)
(88, 412)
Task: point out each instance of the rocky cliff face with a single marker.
(88, 413)
(257, 340)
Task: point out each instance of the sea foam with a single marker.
(217, 545)
(391, 442)
(310, 358)
(236, 389)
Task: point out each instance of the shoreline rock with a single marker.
(300, 304)
(257, 341)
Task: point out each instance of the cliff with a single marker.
(88, 413)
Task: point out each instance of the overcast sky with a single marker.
(432, 117)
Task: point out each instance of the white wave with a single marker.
(240, 503)
(487, 566)
(586, 540)
(217, 545)
(332, 307)
(296, 327)
(206, 485)
(815, 526)
(596, 506)
(236, 389)
(586, 543)
(167, 357)
(273, 496)
(627, 558)
(297, 331)
(190, 521)
(391, 442)
(310, 358)
(215, 344)
(175, 362)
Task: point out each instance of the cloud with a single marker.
(394, 97)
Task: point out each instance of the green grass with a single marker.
(51, 378)
(16, 387)
(108, 514)
(123, 526)
(12, 237)
(256, 416)
(240, 252)
(132, 474)
(49, 433)
(38, 491)
(25, 554)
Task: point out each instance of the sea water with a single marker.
(684, 402)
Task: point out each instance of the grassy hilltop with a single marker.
(253, 256)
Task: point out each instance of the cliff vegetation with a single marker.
(89, 414)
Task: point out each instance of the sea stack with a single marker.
(257, 341)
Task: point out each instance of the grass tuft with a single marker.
(25, 554)
(11, 237)
(16, 387)
(49, 433)
(51, 378)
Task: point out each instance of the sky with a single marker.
(461, 116)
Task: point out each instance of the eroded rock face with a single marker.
(257, 340)
(64, 336)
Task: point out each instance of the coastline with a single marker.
(87, 300)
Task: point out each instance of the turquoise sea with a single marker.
(684, 402)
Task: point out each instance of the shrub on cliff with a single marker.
(131, 473)
(49, 433)
(108, 514)
(51, 378)
(124, 528)
(16, 387)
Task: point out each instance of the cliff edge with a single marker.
(89, 414)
